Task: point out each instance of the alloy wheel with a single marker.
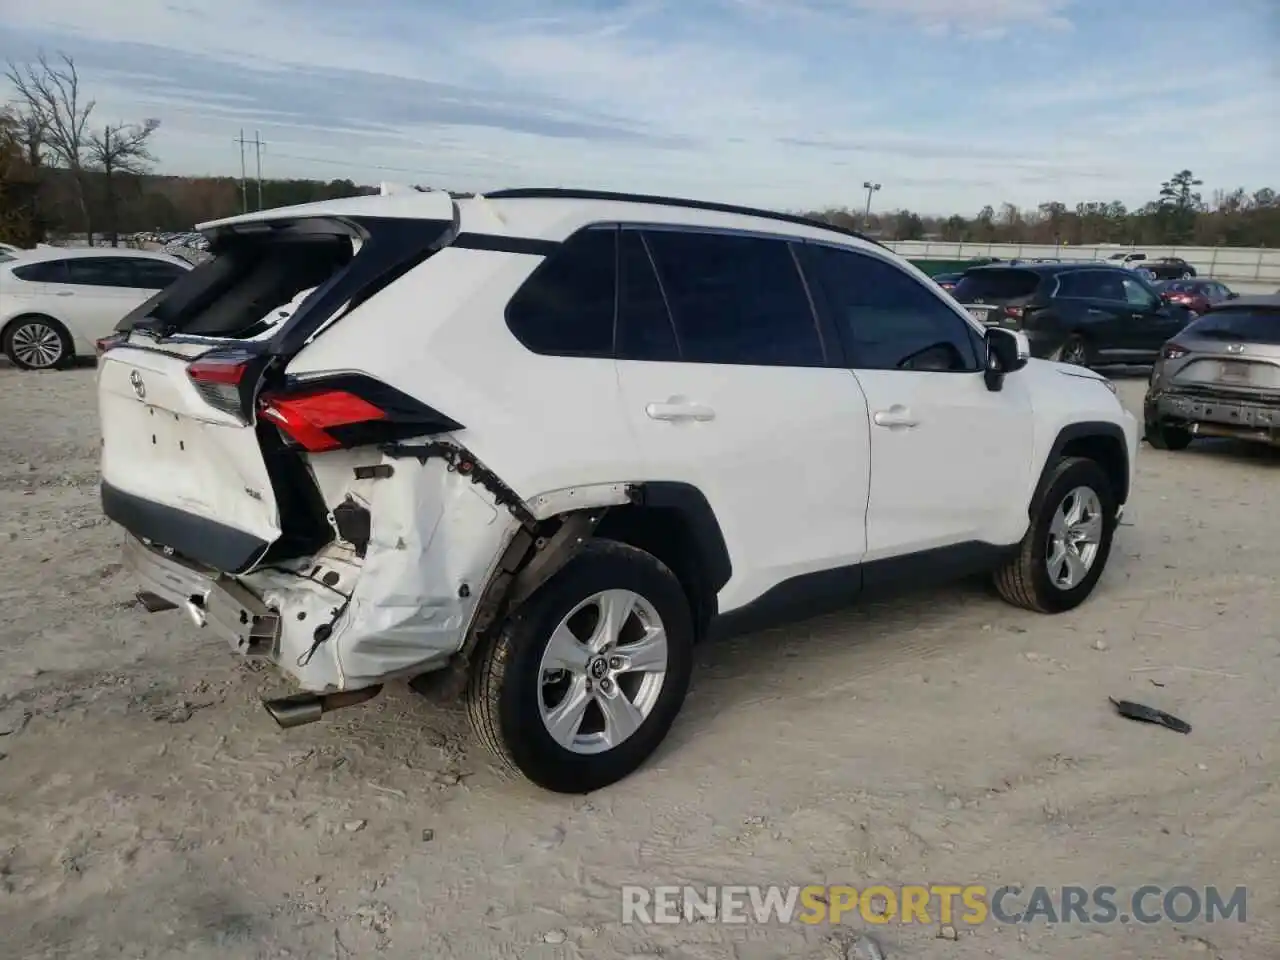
(602, 671)
(1075, 534)
(36, 344)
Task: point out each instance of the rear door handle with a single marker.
(1095, 312)
(675, 410)
(895, 417)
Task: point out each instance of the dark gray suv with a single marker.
(1219, 377)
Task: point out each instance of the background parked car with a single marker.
(947, 281)
(1169, 268)
(1196, 295)
(1127, 260)
(1219, 377)
(1089, 314)
(56, 302)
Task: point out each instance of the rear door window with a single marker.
(645, 328)
(1238, 325)
(566, 308)
(888, 319)
(996, 284)
(736, 299)
(100, 272)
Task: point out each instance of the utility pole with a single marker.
(871, 188)
(244, 187)
(257, 150)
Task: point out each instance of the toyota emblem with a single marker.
(139, 387)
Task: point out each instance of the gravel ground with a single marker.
(150, 808)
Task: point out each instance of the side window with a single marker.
(100, 271)
(47, 271)
(1137, 294)
(1109, 286)
(888, 320)
(736, 299)
(645, 330)
(566, 308)
(154, 274)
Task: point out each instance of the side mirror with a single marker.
(1007, 351)
(1233, 295)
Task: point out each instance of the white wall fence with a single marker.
(1247, 266)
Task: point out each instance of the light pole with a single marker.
(871, 188)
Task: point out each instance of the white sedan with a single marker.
(56, 302)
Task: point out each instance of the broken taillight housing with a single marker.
(348, 410)
(110, 342)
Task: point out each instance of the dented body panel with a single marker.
(346, 621)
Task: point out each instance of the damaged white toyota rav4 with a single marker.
(536, 445)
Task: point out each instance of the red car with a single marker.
(1195, 295)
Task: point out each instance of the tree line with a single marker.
(1179, 216)
(63, 170)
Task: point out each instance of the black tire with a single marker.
(504, 700)
(11, 348)
(1074, 350)
(1166, 437)
(1024, 579)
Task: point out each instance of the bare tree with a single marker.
(52, 106)
(120, 148)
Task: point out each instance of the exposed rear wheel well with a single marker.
(668, 534)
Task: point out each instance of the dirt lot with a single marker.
(150, 808)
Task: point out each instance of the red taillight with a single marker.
(1015, 313)
(1172, 351)
(308, 418)
(108, 343)
(218, 381)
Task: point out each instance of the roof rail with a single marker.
(568, 193)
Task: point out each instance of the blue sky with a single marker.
(950, 104)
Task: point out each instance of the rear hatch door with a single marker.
(997, 296)
(186, 464)
(1233, 350)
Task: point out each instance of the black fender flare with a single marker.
(1086, 430)
(693, 507)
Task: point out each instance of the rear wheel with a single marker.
(1166, 437)
(38, 343)
(1186, 275)
(1067, 543)
(583, 681)
(1074, 350)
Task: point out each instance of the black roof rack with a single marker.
(568, 193)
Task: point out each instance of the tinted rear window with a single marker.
(988, 284)
(1247, 326)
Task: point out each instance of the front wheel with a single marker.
(584, 680)
(1165, 437)
(1073, 350)
(1067, 543)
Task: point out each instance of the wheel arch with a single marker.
(1100, 441)
(671, 520)
(13, 322)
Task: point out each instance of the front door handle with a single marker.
(895, 417)
(65, 293)
(675, 410)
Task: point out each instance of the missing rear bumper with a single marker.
(226, 607)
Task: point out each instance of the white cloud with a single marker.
(739, 93)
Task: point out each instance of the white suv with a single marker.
(542, 442)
